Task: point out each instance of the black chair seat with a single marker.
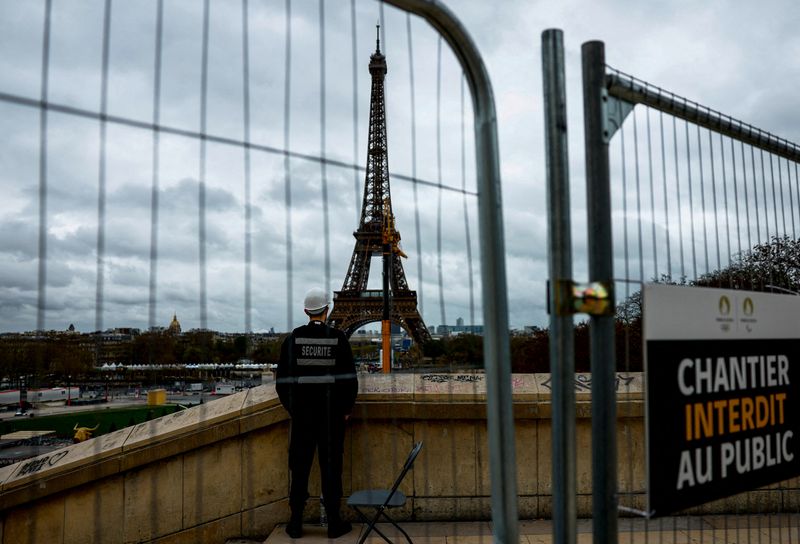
(380, 500)
(376, 497)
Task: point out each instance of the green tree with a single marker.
(267, 353)
(240, 345)
(770, 267)
(65, 358)
(154, 347)
(200, 345)
(464, 350)
(192, 355)
(17, 357)
(433, 349)
(531, 352)
(223, 351)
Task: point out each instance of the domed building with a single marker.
(175, 325)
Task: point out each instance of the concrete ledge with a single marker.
(219, 470)
(186, 422)
(62, 480)
(395, 396)
(65, 459)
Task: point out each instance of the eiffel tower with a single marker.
(355, 305)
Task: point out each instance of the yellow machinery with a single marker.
(156, 397)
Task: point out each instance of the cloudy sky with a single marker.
(739, 58)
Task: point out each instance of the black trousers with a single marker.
(325, 435)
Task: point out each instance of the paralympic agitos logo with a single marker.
(725, 309)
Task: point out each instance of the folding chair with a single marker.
(383, 499)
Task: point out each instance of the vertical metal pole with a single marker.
(496, 347)
(601, 328)
(562, 356)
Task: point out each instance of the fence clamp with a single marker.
(614, 114)
(594, 298)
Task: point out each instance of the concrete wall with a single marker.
(219, 470)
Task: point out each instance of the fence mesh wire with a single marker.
(207, 160)
(207, 114)
(701, 206)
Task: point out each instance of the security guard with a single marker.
(317, 384)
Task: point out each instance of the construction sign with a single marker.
(722, 371)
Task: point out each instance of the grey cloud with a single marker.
(740, 61)
(21, 239)
(18, 276)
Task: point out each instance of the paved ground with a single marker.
(761, 529)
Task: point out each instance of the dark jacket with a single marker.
(316, 375)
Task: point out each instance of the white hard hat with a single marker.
(316, 301)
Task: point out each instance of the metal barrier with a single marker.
(676, 193)
(239, 171)
(496, 344)
(738, 158)
(562, 350)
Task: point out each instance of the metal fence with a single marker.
(267, 178)
(202, 159)
(676, 193)
(235, 106)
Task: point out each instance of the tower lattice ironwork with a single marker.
(355, 305)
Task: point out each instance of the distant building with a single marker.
(175, 325)
(444, 330)
(258, 338)
(111, 345)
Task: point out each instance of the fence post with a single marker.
(601, 327)
(562, 350)
(496, 347)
